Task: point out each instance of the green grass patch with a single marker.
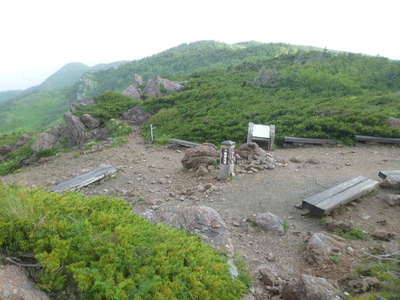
(97, 249)
(354, 234)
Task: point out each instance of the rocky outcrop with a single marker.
(136, 115)
(134, 89)
(201, 220)
(89, 121)
(158, 86)
(321, 247)
(21, 142)
(311, 288)
(75, 132)
(81, 102)
(44, 141)
(253, 158)
(200, 156)
(268, 222)
(15, 285)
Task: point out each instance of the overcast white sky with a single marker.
(39, 36)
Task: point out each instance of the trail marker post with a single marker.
(227, 160)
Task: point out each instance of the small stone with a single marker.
(295, 160)
(313, 161)
(348, 164)
(383, 235)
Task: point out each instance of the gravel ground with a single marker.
(150, 176)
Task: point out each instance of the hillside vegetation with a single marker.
(95, 248)
(314, 94)
(7, 95)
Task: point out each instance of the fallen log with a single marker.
(373, 139)
(183, 143)
(325, 202)
(299, 140)
(83, 180)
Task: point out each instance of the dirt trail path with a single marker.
(150, 176)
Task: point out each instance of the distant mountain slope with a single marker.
(7, 95)
(65, 77)
(181, 60)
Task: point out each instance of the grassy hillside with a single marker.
(182, 60)
(65, 77)
(7, 95)
(314, 94)
(36, 110)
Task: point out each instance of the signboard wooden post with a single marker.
(227, 160)
(259, 132)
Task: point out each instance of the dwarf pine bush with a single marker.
(96, 247)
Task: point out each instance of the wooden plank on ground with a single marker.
(83, 180)
(183, 143)
(325, 202)
(374, 139)
(384, 174)
(299, 140)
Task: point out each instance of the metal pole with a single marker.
(151, 133)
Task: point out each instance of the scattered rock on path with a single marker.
(311, 288)
(201, 155)
(321, 246)
(268, 276)
(363, 285)
(269, 223)
(391, 200)
(391, 182)
(15, 285)
(383, 235)
(201, 220)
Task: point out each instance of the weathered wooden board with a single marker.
(83, 180)
(183, 143)
(260, 132)
(325, 202)
(384, 174)
(374, 139)
(298, 140)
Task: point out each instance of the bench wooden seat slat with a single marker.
(373, 139)
(325, 202)
(83, 180)
(384, 174)
(183, 143)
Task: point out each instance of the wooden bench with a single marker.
(262, 133)
(299, 140)
(384, 174)
(83, 180)
(326, 201)
(182, 143)
(373, 139)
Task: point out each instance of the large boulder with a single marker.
(136, 115)
(23, 140)
(158, 86)
(15, 285)
(391, 182)
(89, 121)
(269, 223)
(311, 288)
(201, 220)
(81, 102)
(321, 247)
(44, 141)
(201, 155)
(75, 132)
(134, 89)
(252, 153)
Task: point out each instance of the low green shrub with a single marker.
(109, 105)
(14, 160)
(354, 234)
(118, 128)
(97, 248)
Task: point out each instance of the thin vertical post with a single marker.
(151, 133)
(227, 160)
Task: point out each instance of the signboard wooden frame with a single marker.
(260, 132)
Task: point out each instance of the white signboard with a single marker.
(261, 131)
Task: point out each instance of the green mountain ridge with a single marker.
(43, 105)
